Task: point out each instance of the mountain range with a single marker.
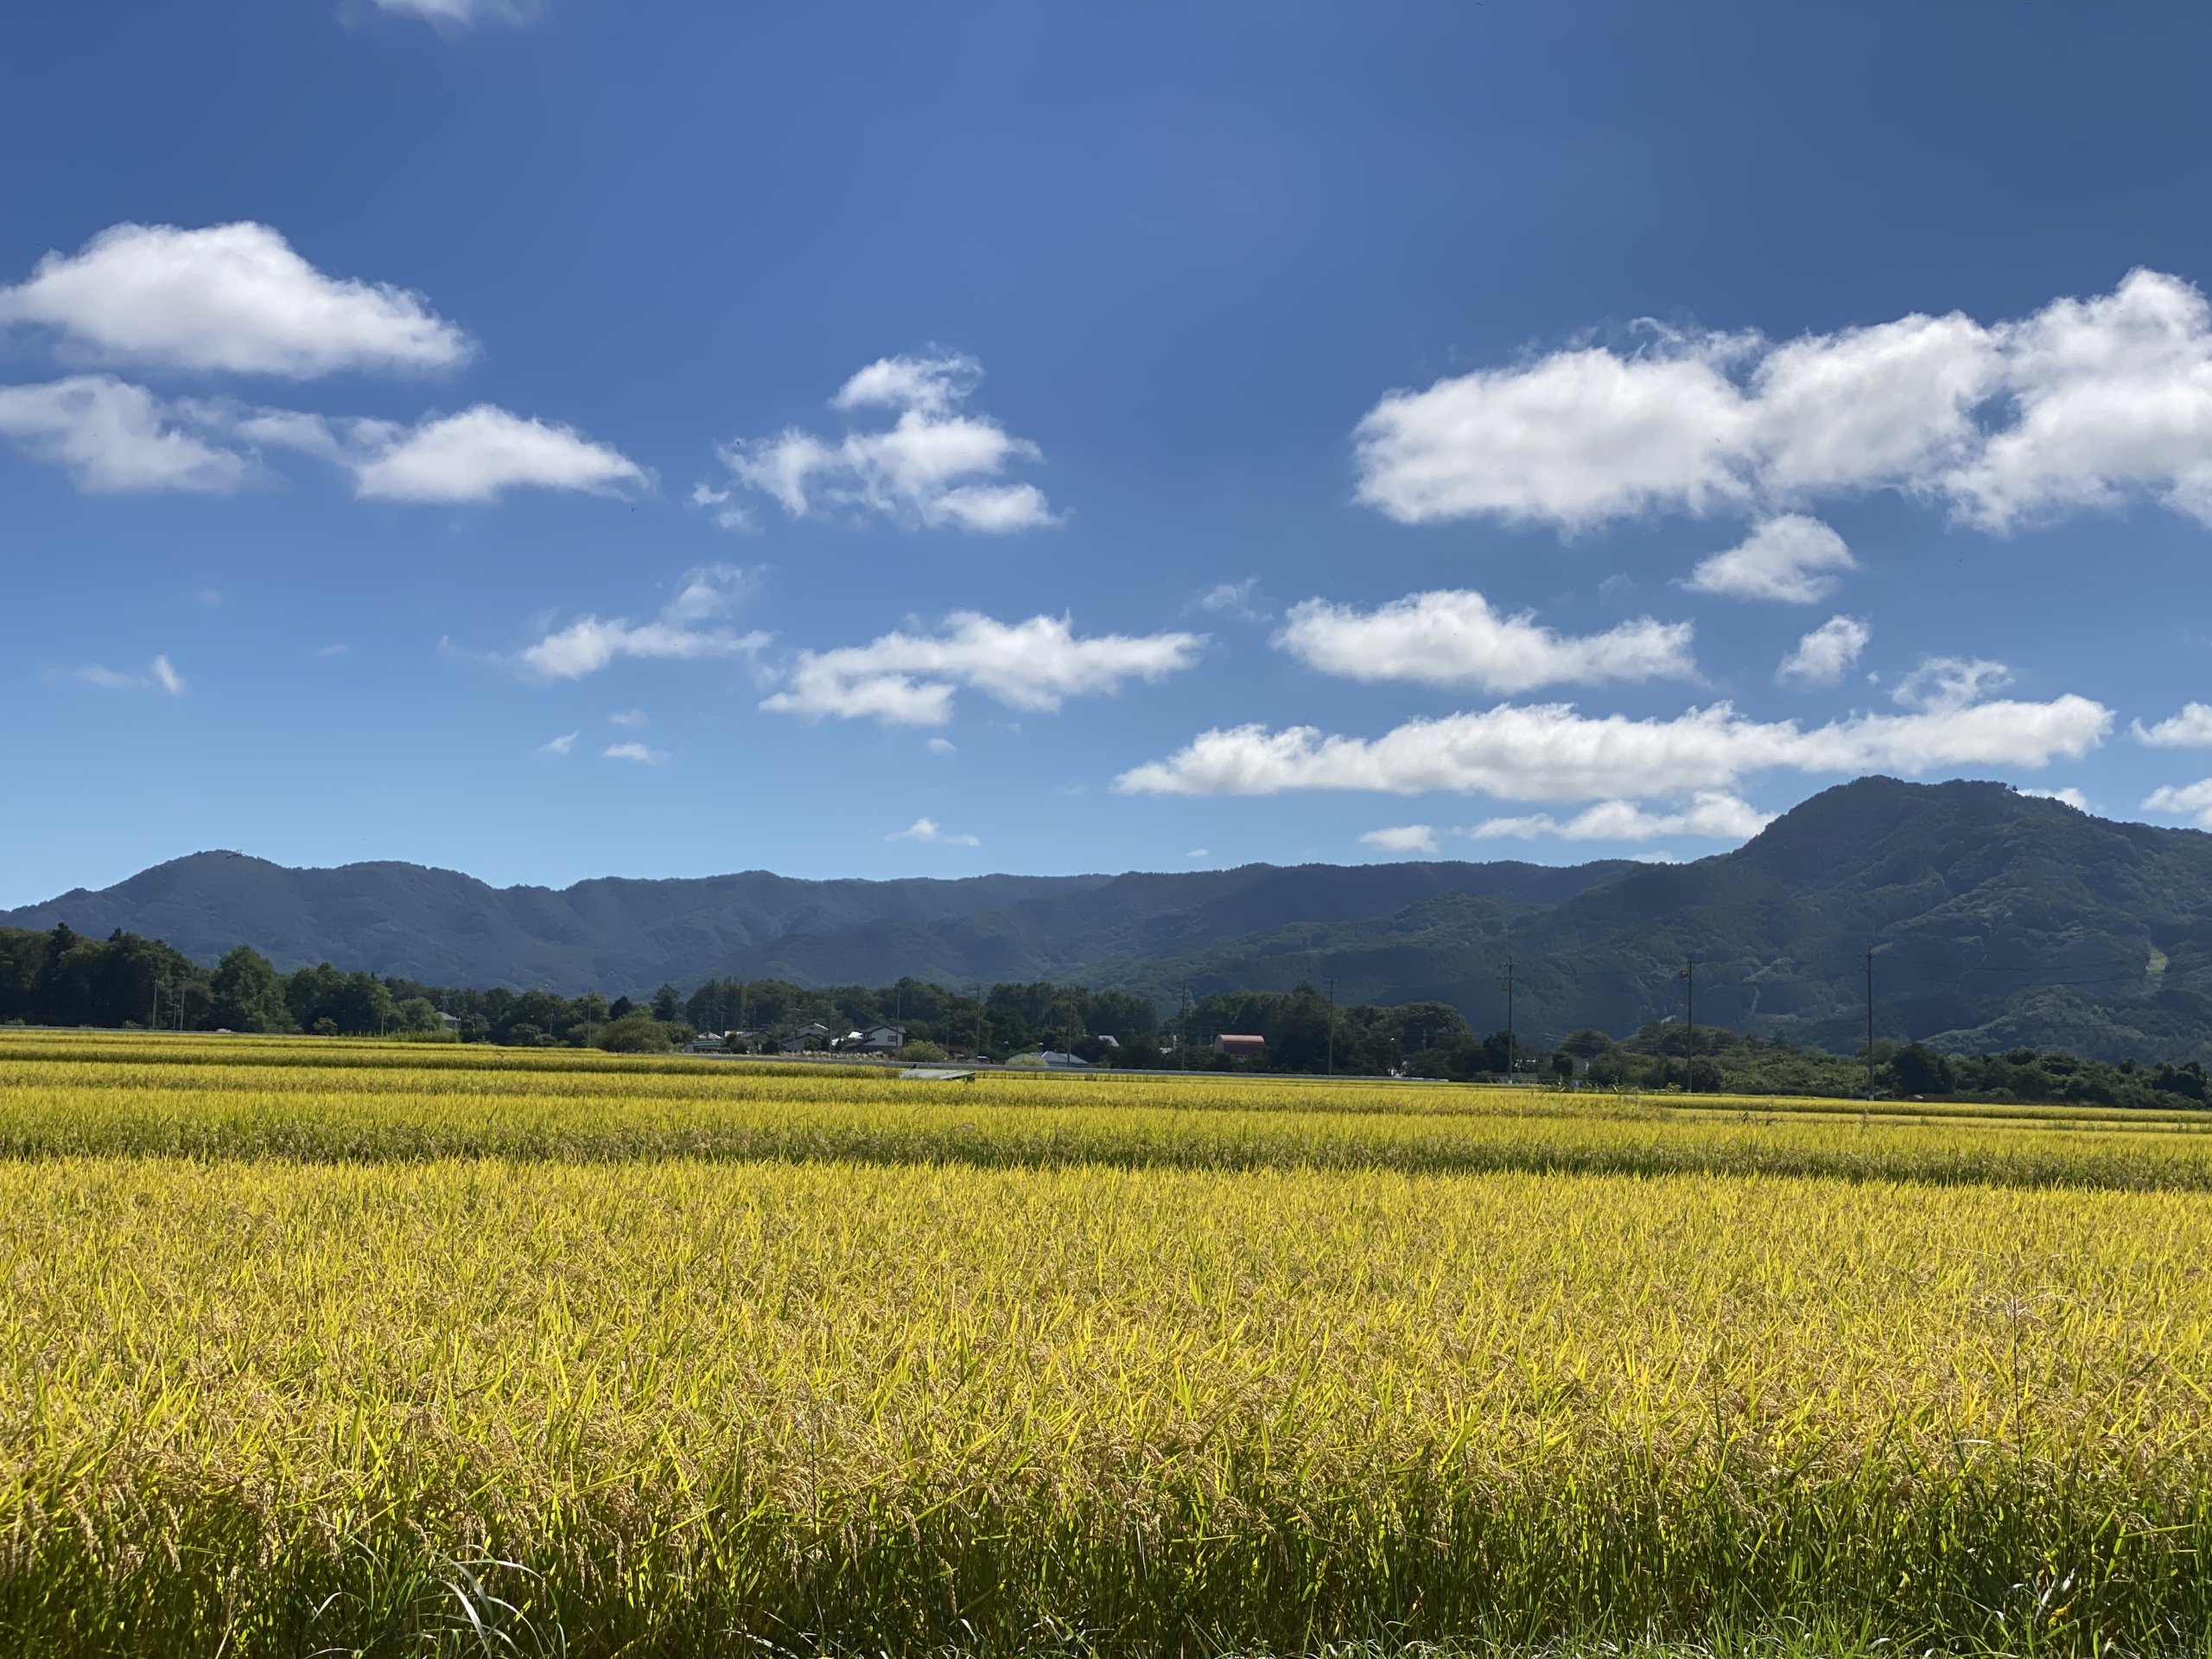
(1994, 920)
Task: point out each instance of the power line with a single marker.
(1870, 1022)
(1506, 985)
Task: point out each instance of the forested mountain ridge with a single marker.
(1996, 920)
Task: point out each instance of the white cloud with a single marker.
(460, 14)
(115, 438)
(1199, 852)
(2085, 404)
(934, 468)
(234, 298)
(931, 834)
(1942, 684)
(478, 454)
(1233, 599)
(638, 751)
(1550, 753)
(682, 632)
(942, 746)
(2184, 801)
(332, 650)
(159, 676)
(628, 717)
(1579, 438)
(1402, 838)
(1792, 558)
(1714, 813)
(729, 515)
(2189, 729)
(1821, 655)
(1455, 639)
(560, 745)
(1656, 856)
(2070, 796)
(910, 678)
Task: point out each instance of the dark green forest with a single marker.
(62, 978)
(1996, 921)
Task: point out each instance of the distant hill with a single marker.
(1997, 919)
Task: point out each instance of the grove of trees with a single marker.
(63, 978)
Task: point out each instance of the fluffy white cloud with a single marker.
(685, 630)
(1455, 639)
(1400, 838)
(161, 674)
(1550, 753)
(478, 455)
(942, 746)
(2110, 396)
(2189, 729)
(931, 834)
(2082, 404)
(560, 745)
(627, 717)
(1792, 558)
(1821, 655)
(114, 437)
(642, 753)
(910, 678)
(229, 297)
(1714, 813)
(2068, 796)
(2183, 801)
(933, 467)
(1579, 438)
(1943, 683)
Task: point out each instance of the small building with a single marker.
(450, 1022)
(1055, 1060)
(740, 1042)
(816, 1035)
(707, 1042)
(1240, 1046)
(1110, 1042)
(876, 1039)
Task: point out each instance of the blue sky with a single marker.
(566, 439)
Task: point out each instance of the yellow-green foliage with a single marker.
(335, 1348)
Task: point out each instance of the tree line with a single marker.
(63, 978)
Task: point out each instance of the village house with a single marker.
(876, 1039)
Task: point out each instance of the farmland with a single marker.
(349, 1347)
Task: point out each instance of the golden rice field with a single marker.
(343, 1348)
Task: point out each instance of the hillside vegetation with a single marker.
(1998, 922)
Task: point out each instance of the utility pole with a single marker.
(1506, 985)
(1183, 1048)
(1870, 1022)
(1333, 1027)
(1688, 977)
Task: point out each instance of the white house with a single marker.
(876, 1039)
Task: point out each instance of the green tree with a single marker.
(247, 993)
(636, 1033)
(416, 1014)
